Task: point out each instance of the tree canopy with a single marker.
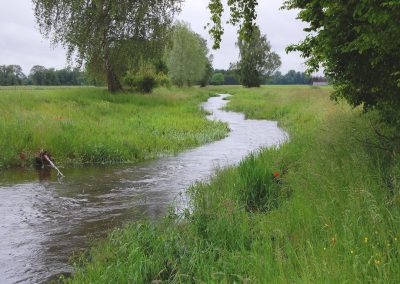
(257, 61)
(11, 75)
(187, 59)
(107, 35)
(242, 14)
(357, 43)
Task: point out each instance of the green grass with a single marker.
(89, 125)
(332, 216)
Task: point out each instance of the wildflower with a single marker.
(377, 261)
(276, 174)
(366, 240)
(324, 248)
(352, 252)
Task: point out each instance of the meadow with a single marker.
(322, 208)
(87, 125)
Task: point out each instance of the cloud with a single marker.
(22, 44)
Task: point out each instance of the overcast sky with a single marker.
(22, 44)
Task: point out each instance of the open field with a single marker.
(323, 208)
(88, 125)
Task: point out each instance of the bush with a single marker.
(144, 80)
(163, 80)
(217, 79)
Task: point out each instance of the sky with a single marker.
(22, 44)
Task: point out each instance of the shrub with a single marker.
(144, 80)
(163, 80)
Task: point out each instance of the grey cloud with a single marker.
(21, 43)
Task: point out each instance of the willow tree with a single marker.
(105, 34)
(187, 59)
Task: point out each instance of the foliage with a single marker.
(11, 75)
(144, 80)
(242, 13)
(339, 225)
(207, 74)
(108, 36)
(39, 75)
(357, 44)
(187, 59)
(290, 78)
(89, 125)
(217, 79)
(229, 75)
(257, 62)
(163, 80)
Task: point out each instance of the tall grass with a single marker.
(331, 216)
(89, 125)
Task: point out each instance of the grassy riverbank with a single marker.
(88, 125)
(331, 216)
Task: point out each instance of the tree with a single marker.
(290, 78)
(187, 59)
(37, 75)
(257, 61)
(218, 79)
(357, 44)
(106, 34)
(11, 75)
(207, 73)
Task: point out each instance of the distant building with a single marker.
(319, 81)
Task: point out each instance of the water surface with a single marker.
(45, 220)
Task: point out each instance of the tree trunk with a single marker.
(112, 81)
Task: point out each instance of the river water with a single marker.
(44, 221)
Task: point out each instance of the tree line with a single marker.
(228, 77)
(12, 75)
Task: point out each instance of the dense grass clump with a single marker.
(89, 125)
(331, 216)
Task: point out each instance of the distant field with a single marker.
(88, 125)
(323, 208)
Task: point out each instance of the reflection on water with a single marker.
(45, 220)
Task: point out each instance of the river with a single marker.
(45, 220)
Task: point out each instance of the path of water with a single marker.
(44, 221)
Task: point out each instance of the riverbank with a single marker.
(322, 208)
(84, 125)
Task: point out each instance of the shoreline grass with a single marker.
(331, 216)
(87, 125)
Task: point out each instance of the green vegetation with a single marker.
(217, 79)
(357, 43)
(110, 36)
(323, 208)
(256, 60)
(88, 125)
(187, 60)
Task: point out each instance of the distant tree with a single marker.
(217, 79)
(37, 75)
(11, 75)
(257, 61)
(229, 76)
(357, 43)
(106, 34)
(187, 59)
(290, 78)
